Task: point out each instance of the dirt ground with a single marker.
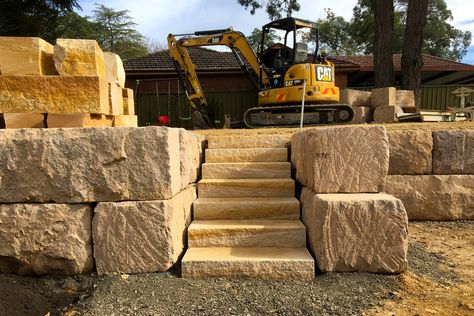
(440, 281)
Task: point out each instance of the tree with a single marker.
(255, 39)
(72, 25)
(274, 8)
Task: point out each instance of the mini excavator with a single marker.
(280, 73)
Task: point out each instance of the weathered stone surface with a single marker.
(79, 120)
(45, 239)
(76, 57)
(434, 197)
(125, 121)
(190, 152)
(247, 262)
(246, 188)
(138, 237)
(355, 97)
(255, 141)
(114, 71)
(410, 152)
(115, 99)
(246, 170)
(384, 97)
(24, 120)
(246, 233)
(362, 114)
(246, 208)
(387, 114)
(89, 165)
(341, 159)
(53, 94)
(356, 232)
(247, 155)
(453, 152)
(128, 102)
(406, 99)
(26, 56)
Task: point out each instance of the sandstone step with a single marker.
(246, 188)
(254, 141)
(246, 170)
(247, 155)
(246, 233)
(247, 208)
(262, 263)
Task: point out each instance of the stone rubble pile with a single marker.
(71, 84)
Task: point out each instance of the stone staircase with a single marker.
(246, 218)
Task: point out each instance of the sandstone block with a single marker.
(384, 97)
(45, 239)
(114, 71)
(434, 197)
(246, 188)
(356, 232)
(53, 94)
(128, 102)
(247, 262)
(247, 155)
(125, 121)
(24, 120)
(410, 152)
(83, 120)
(139, 237)
(26, 56)
(246, 233)
(341, 159)
(387, 114)
(355, 97)
(406, 99)
(246, 208)
(89, 165)
(453, 152)
(362, 114)
(115, 99)
(246, 170)
(76, 57)
(190, 152)
(255, 141)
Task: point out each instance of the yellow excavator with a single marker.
(282, 74)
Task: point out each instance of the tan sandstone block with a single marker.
(26, 56)
(115, 99)
(356, 232)
(255, 141)
(53, 94)
(362, 114)
(246, 188)
(341, 159)
(246, 170)
(246, 233)
(384, 97)
(247, 155)
(190, 152)
(24, 120)
(81, 165)
(45, 239)
(453, 152)
(84, 120)
(434, 197)
(128, 102)
(387, 114)
(406, 99)
(114, 71)
(125, 121)
(410, 152)
(139, 237)
(77, 57)
(355, 97)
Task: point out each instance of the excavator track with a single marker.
(290, 115)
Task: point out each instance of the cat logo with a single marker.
(324, 74)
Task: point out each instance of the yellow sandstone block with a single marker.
(115, 99)
(125, 121)
(128, 102)
(53, 94)
(74, 57)
(79, 120)
(24, 120)
(26, 56)
(114, 71)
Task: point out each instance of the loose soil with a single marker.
(440, 281)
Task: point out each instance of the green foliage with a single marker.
(255, 39)
(72, 25)
(274, 8)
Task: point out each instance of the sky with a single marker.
(157, 18)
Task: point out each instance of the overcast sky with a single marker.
(157, 18)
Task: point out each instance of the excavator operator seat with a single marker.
(301, 53)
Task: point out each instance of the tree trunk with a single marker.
(383, 59)
(412, 59)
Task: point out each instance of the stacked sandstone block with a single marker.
(380, 105)
(75, 200)
(432, 172)
(351, 225)
(71, 84)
